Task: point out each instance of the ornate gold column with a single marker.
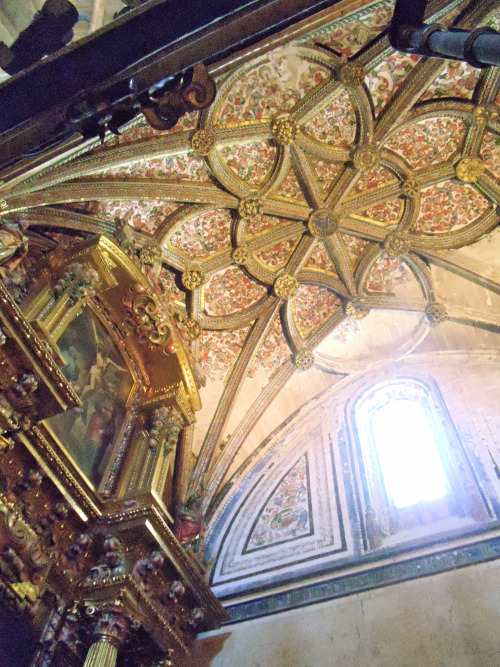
(110, 629)
(103, 653)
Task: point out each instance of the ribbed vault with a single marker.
(334, 187)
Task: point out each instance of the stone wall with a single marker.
(448, 620)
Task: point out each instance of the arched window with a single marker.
(414, 474)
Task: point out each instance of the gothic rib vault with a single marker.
(335, 207)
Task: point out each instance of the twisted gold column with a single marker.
(101, 654)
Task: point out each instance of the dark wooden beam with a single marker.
(148, 44)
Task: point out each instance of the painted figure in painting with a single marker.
(101, 379)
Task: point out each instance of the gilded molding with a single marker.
(284, 130)
(355, 309)
(323, 222)
(193, 277)
(304, 359)
(366, 158)
(285, 286)
(250, 207)
(470, 169)
(203, 142)
(352, 74)
(436, 313)
(241, 255)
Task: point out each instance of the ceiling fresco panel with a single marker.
(335, 124)
(458, 80)
(251, 162)
(219, 350)
(348, 36)
(205, 234)
(312, 306)
(386, 78)
(428, 142)
(490, 152)
(449, 206)
(272, 86)
(143, 215)
(230, 291)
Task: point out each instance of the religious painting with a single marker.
(102, 380)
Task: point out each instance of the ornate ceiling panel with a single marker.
(312, 306)
(449, 206)
(219, 350)
(204, 234)
(230, 291)
(387, 77)
(347, 37)
(458, 81)
(297, 219)
(144, 215)
(429, 141)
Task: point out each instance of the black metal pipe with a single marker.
(409, 33)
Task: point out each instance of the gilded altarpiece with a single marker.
(95, 390)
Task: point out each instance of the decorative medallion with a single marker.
(355, 309)
(284, 130)
(202, 142)
(150, 254)
(436, 313)
(193, 277)
(286, 286)
(250, 207)
(485, 114)
(304, 360)
(396, 244)
(366, 158)
(469, 169)
(240, 255)
(410, 188)
(352, 74)
(192, 328)
(323, 223)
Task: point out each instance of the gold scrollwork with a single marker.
(323, 223)
(352, 74)
(286, 286)
(436, 313)
(241, 255)
(396, 244)
(284, 130)
(366, 158)
(203, 142)
(192, 328)
(304, 359)
(356, 309)
(150, 254)
(250, 207)
(469, 169)
(193, 277)
(410, 188)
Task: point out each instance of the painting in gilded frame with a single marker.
(99, 374)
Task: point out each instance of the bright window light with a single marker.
(408, 453)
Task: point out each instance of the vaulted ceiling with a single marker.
(335, 208)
